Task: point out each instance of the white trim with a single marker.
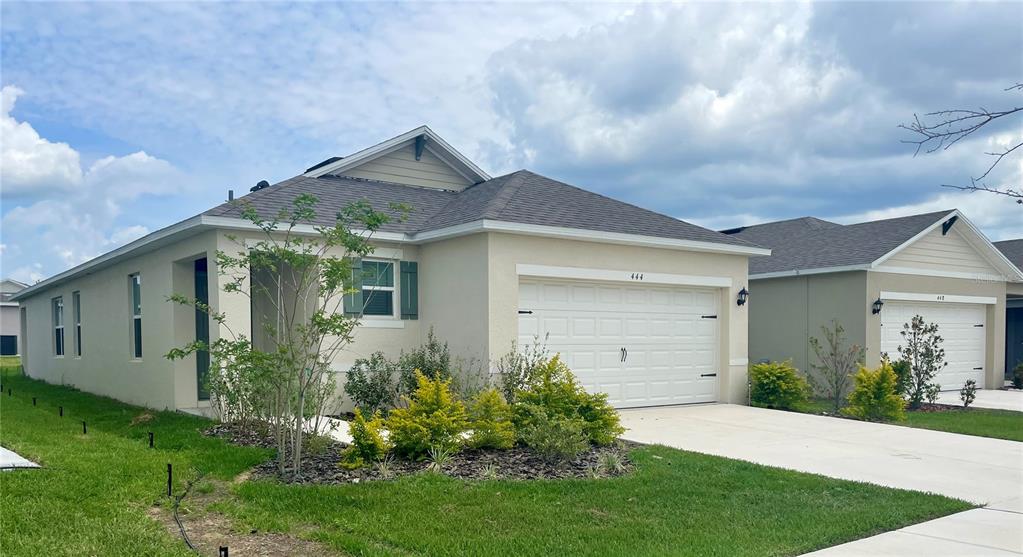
(486, 225)
(369, 322)
(738, 362)
(938, 298)
(579, 273)
(232, 223)
(820, 271)
(476, 174)
(9, 304)
(385, 253)
(938, 273)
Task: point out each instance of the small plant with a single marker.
(371, 383)
(968, 393)
(612, 462)
(926, 357)
(368, 444)
(777, 385)
(873, 397)
(490, 472)
(433, 418)
(1017, 376)
(932, 392)
(836, 364)
(490, 420)
(555, 438)
(432, 359)
(385, 467)
(318, 444)
(904, 375)
(439, 458)
(516, 369)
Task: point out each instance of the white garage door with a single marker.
(961, 326)
(642, 345)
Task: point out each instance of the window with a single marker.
(135, 282)
(76, 309)
(378, 288)
(58, 326)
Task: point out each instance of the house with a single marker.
(641, 305)
(873, 277)
(1013, 250)
(10, 317)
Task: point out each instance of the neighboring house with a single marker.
(1013, 250)
(10, 317)
(641, 305)
(873, 277)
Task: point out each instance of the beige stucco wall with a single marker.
(785, 312)
(995, 330)
(505, 251)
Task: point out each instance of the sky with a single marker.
(120, 119)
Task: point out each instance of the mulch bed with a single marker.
(926, 407)
(518, 463)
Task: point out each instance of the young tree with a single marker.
(282, 378)
(925, 355)
(836, 363)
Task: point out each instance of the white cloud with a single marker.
(29, 164)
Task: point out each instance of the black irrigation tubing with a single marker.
(177, 519)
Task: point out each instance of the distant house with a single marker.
(873, 277)
(10, 317)
(641, 305)
(1013, 250)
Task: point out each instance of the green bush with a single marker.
(554, 392)
(554, 437)
(434, 419)
(368, 444)
(490, 420)
(777, 385)
(904, 376)
(1017, 376)
(874, 398)
(968, 393)
(371, 383)
(432, 359)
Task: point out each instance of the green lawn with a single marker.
(91, 498)
(982, 422)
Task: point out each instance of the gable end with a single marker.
(949, 252)
(401, 167)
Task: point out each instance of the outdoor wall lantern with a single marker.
(743, 296)
(876, 308)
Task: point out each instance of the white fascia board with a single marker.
(801, 272)
(939, 298)
(380, 149)
(486, 225)
(231, 223)
(610, 275)
(152, 241)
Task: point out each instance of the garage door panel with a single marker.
(963, 340)
(669, 345)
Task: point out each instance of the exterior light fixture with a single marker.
(743, 296)
(876, 307)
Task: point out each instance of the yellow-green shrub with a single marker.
(554, 391)
(490, 420)
(368, 444)
(875, 395)
(434, 418)
(777, 385)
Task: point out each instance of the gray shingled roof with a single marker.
(520, 197)
(809, 243)
(1013, 250)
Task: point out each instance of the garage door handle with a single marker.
(978, 368)
(981, 325)
(708, 375)
(525, 312)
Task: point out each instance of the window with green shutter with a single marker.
(378, 288)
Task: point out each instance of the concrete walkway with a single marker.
(997, 400)
(10, 460)
(976, 469)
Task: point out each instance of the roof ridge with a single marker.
(505, 194)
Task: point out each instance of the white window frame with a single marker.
(136, 351)
(395, 302)
(76, 315)
(57, 316)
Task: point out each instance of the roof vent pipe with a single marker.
(230, 195)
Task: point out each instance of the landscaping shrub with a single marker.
(873, 397)
(434, 418)
(777, 385)
(1017, 376)
(368, 444)
(968, 393)
(836, 364)
(433, 359)
(926, 357)
(556, 438)
(516, 369)
(490, 420)
(932, 393)
(904, 376)
(371, 383)
(554, 392)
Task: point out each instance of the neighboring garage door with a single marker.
(642, 345)
(8, 345)
(962, 328)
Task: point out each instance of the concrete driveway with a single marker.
(976, 469)
(988, 398)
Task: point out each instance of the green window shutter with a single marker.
(353, 301)
(409, 290)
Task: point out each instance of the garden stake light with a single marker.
(169, 469)
(61, 411)
(84, 430)
(150, 439)
(33, 401)
(223, 551)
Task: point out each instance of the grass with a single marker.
(92, 495)
(982, 422)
